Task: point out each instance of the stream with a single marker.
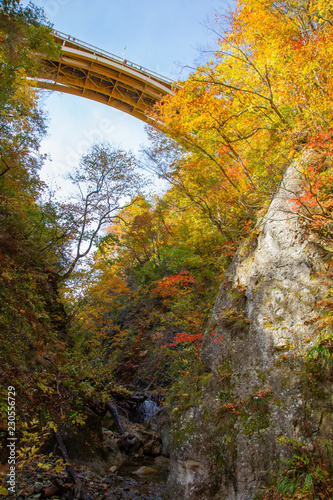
(138, 473)
(126, 485)
(121, 484)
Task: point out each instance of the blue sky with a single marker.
(161, 35)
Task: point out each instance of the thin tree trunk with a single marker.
(70, 469)
(114, 412)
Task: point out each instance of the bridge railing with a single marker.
(104, 53)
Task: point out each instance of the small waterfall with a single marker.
(145, 411)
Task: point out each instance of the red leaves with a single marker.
(262, 394)
(233, 407)
(298, 43)
(218, 338)
(196, 338)
(180, 338)
(172, 286)
(323, 142)
(308, 199)
(317, 177)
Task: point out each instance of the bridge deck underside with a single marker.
(83, 73)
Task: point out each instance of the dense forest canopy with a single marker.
(134, 315)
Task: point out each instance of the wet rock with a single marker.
(110, 443)
(30, 490)
(129, 443)
(133, 428)
(50, 491)
(162, 461)
(153, 447)
(164, 433)
(159, 423)
(38, 487)
(144, 471)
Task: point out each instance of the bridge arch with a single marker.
(92, 73)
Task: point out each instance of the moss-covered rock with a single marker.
(259, 390)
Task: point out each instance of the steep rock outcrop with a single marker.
(256, 397)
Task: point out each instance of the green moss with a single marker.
(180, 434)
(205, 379)
(256, 422)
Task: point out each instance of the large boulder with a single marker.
(255, 399)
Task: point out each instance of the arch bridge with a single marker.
(90, 72)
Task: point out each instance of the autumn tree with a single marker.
(31, 319)
(243, 116)
(106, 181)
(25, 36)
(153, 278)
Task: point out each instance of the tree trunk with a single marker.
(70, 469)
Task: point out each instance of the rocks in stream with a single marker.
(110, 443)
(136, 440)
(145, 471)
(35, 483)
(162, 461)
(149, 438)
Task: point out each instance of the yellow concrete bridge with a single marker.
(89, 72)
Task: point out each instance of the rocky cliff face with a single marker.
(256, 397)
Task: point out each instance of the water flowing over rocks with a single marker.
(145, 410)
(255, 397)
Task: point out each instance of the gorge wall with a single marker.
(257, 397)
